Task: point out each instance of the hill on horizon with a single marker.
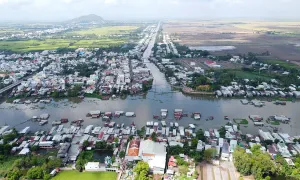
(91, 18)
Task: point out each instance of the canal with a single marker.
(161, 96)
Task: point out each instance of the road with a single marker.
(10, 86)
(148, 51)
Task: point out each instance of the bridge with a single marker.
(10, 86)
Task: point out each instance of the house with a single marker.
(225, 152)
(92, 166)
(233, 144)
(133, 149)
(211, 64)
(155, 154)
(200, 146)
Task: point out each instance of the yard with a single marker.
(75, 175)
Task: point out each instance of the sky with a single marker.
(61, 10)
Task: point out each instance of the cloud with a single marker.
(59, 10)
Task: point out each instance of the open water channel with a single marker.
(160, 97)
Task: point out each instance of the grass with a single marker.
(75, 175)
(250, 75)
(52, 44)
(241, 121)
(109, 30)
(7, 164)
(275, 123)
(282, 63)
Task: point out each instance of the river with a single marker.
(161, 96)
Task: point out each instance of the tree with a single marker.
(101, 145)
(194, 143)
(122, 154)
(52, 164)
(222, 132)
(209, 154)
(183, 170)
(141, 169)
(14, 174)
(35, 173)
(79, 164)
(34, 148)
(200, 135)
(175, 150)
(141, 132)
(85, 144)
(154, 136)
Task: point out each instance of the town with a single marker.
(90, 98)
(170, 151)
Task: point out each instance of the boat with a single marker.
(155, 117)
(43, 122)
(226, 117)
(111, 124)
(196, 115)
(55, 123)
(64, 120)
(164, 113)
(130, 114)
(211, 118)
(105, 118)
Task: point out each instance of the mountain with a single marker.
(92, 18)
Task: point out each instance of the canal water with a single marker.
(161, 96)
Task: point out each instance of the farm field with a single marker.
(281, 39)
(109, 30)
(75, 175)
(52, 44)
(103, 41)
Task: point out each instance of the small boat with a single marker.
(88, 115)
(211, 118)
(155, 117)
(132, 124)
(226, 117)
(43, 122)
(64, 120)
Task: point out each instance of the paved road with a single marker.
(148, 51)
(209, 169)
(10, 87)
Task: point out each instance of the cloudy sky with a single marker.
(60, 10)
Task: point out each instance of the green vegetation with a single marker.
(83, 158)
(262, 166)
(109, 30)
(276, 123)
(53, 44)
(94, 95)
(258, 163)
(141, 170)
(209, 154)
(70, 42)
(189, 150)
(240, 121)
(74, 175)
(284, 64)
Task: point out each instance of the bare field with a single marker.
(279, 38)
(199, 62)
